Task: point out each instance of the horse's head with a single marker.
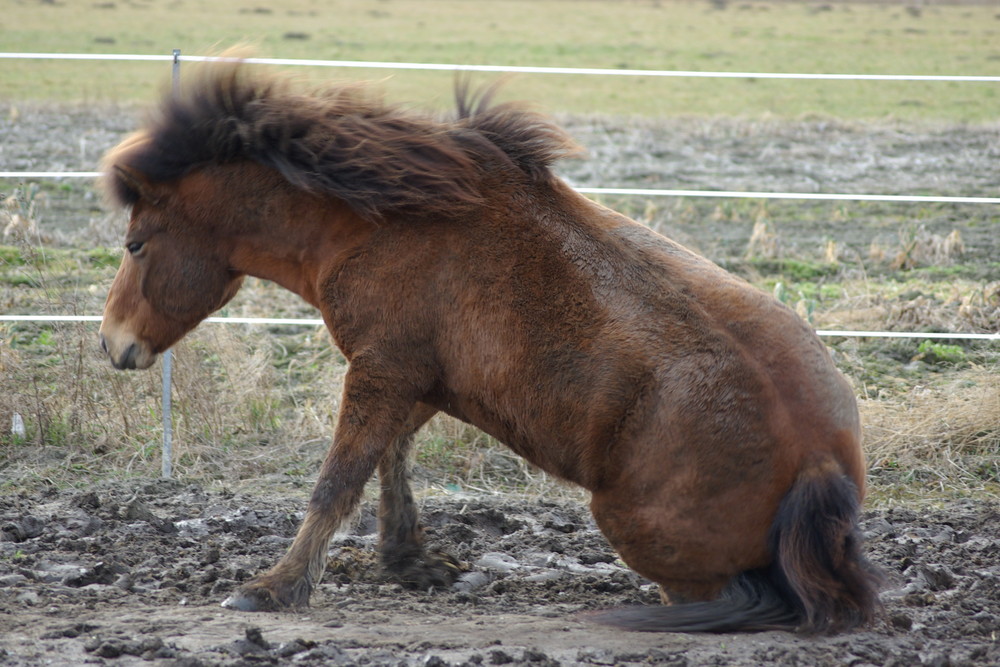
(173, 275)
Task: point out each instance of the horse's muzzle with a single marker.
(127, 357)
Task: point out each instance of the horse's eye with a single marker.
(134, 247)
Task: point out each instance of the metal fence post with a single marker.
(167, 454)
(168, 428)
(177, 71)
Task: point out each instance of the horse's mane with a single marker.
(342, 141)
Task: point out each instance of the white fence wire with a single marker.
(512, 69)
(654, 192)
(283, 321)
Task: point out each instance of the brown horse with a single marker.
(458, 274)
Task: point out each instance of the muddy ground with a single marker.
(133, 572)
(128, 573)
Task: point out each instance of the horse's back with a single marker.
(594, 346)
(711, 337)
(744, 385)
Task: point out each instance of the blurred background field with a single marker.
(922, 38)
(257, 404)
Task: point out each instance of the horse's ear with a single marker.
(132, 185)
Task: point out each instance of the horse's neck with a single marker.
(299, 244)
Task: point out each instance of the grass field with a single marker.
(835, 37)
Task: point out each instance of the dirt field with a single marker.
(133, 572)
(128, 573)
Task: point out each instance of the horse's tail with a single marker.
(818, 564)
(818, 582)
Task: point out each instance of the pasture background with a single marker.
(821, 37)
(256, 404)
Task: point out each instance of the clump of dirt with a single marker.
(133, 573)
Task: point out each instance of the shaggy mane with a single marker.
(341, 141)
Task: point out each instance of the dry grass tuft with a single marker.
(231, 417)
(919, 248)
(19, 216)
(764, 243)
(947, 435)
(957, 306)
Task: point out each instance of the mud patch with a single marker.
(133, 573)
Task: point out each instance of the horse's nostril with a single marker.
(128, 359)
(104, 344)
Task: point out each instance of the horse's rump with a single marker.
(818, 582)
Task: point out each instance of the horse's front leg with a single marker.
(401, 543)
(375, 413)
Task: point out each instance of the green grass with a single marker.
(63, 268)
(940, 353)
(744, 36)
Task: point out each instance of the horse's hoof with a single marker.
(256, 598)
(436, 570)
(241, 602)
